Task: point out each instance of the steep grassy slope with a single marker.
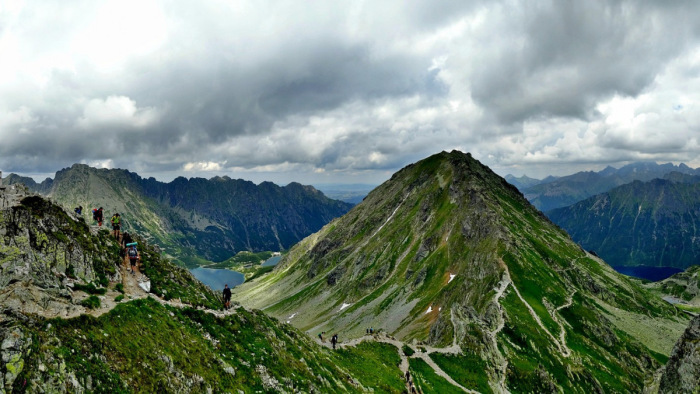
(446, 252)
(199, 220)
(654, 223)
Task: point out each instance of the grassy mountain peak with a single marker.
(447, 253)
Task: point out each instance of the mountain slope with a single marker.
(568, 190)
(654, 223)
(448, 253)
(198, 219)
(63, 327)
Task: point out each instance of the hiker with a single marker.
(126, 239)
(79, 210)
(227, 296)
(334, 340)
(133, 258)
(94, 214)
(320, 335)
(116, 221)
(99, 217)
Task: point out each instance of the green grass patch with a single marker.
(425, 378)
(468, 369)
(407, 351)
(374, 364)
(92, 302)
(89, 288)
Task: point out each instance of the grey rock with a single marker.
(682, 372)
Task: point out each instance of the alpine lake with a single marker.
(216, 278)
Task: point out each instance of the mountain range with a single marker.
(448, 254)
(653, 223)
(195, 220)
(552, 193)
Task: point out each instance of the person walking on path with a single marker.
(334, 340)
(227, 296)
(133, 258)
(116, 225)
(99, 216)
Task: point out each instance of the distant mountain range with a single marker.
(195, 220)
(448, 254)
(558, 192)
(655, 223)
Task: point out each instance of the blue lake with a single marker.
(650, 273)
(272, 261)
(217, 278)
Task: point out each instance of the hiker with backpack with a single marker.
(133, 258)
(116, 222)
(98, 215)
(334, 340)
(227, 296)
(79, 210)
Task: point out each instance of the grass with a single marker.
(142, 346)
(468, 369)
(374, 364)
(89, 288)
(428, 381)
(92, 302)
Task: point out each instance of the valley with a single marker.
(464, 284)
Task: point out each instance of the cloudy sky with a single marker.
(346, 91)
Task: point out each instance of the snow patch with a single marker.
(344, 306)
(452, 276)
(292, 316)
(430, 309)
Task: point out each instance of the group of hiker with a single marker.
(334, 338)
(128, 245)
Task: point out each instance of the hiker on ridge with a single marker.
(133, 258)
(99, 217)
(334, 340)
(227, 296)
(116, 222)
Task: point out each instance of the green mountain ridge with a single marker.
(197, 220)
(651, 223)
(448, 254)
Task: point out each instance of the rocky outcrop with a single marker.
(682, 372)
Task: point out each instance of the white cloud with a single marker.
(116, 111)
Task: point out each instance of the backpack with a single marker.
(133, 253)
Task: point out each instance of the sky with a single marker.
(346, 91)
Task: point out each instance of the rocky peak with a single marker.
(682, 372)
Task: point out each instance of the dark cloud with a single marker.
(344, 86)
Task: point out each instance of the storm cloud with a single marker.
(345, 91)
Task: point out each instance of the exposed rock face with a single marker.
(682, 372)
(43, 245)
